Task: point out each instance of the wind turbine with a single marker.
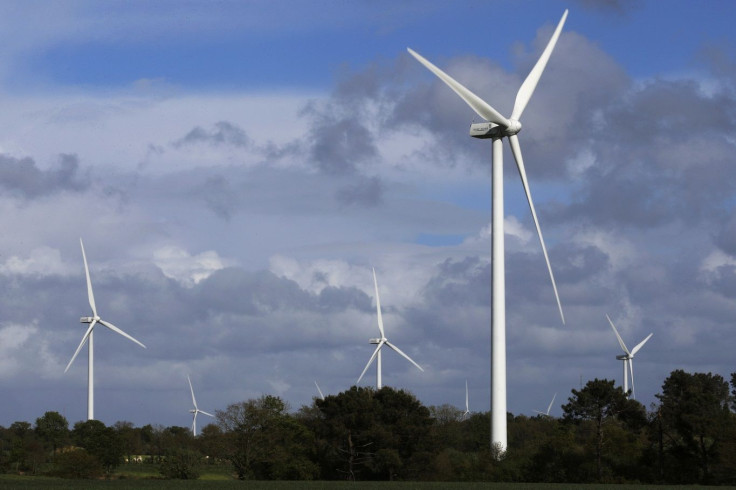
(497, 128)
(549, 408)
(381, 342)
(628, 358)
(319, 391)
(89, 337)
(467, 409)
(195, 410)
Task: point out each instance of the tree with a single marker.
(263, 441)
(53, 429)
(100, 441)
(358, 424)
(599, 403)
(696, 408)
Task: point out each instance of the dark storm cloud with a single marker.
(662, 154)
(338, 143)
(223, 133)
(22, 176)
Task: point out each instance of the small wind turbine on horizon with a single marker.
(467, 407)
(628, 358)
(549, 408)
(381, 342)
(195, 410)
(319, 391)
(497, 128)
(89, 339)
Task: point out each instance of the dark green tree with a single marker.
(262, 441)
(599, 405)
(357, 424)
(695, 407)
(53, 430)
(101, 441)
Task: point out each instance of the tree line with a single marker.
(687, 436)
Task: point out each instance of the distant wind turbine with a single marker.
(381, 342)
(319, 391)
(497, 128)
(195, 410)
(467, 408)
(89, 338)
(549, 408)
(628, 358)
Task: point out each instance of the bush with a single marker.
(181, 464)
(77, 463)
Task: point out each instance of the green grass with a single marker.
(129, 481)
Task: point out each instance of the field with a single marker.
(143, 478)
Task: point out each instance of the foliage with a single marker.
(262, 441)
(387, 434)
(101, 441)
(695, 415)
(181, 464)
(53, 429)
(77, 464)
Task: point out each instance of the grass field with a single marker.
(143, 480)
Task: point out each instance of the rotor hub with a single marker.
(513, 128)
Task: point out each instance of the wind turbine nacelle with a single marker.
(483, 130)
(86, 319)
(374, 341)
(622, 357)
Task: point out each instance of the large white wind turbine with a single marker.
(628, 358)
(381, 342)
(497, 128)
(89, 338)
(195, 410)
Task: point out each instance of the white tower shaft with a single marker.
(498, 305)
(378, 370)
(91, 377)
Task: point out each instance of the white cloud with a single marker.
(41, 261)
(176, 263)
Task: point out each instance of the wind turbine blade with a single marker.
(476, 103)
(640, 345)
(466, 396)
(116, 329)
(516, 150)
(375, 353)
(194, 401)
(405, 356)
(620, 340)
(81, 344)
(550, 403)
(90, 294)
(631, 370)
(206, 413)
(527, 88)
(319, 391)
(378, 306)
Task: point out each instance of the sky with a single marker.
(237, 169)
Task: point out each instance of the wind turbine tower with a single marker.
(88, 338)
(497, 128)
